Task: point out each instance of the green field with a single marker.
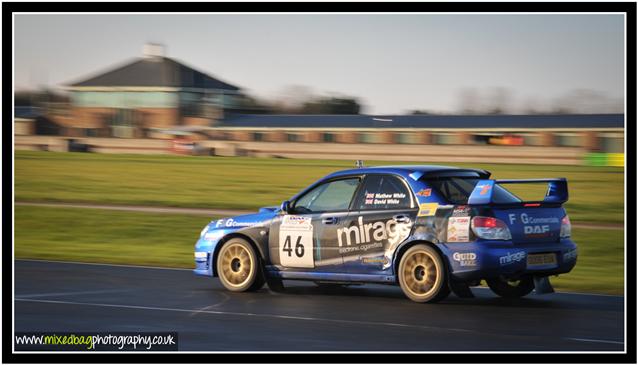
(93, 235)
(596, 193)
(596, 196)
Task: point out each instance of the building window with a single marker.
(292, 137)
(258, 136)
(371, 137)
(568, 140)
(328, 137)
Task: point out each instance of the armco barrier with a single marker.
(604, 159)
(616, 159)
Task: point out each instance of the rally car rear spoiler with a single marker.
(556, 190)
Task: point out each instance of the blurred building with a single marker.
(153, 91)
(592, 132)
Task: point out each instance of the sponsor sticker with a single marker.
(201, 254)
(375, 260)
(465, 258)
(213, 235)
(461, 211)
(511, 258)
(458, 229)
(427, 209)
(484, 189)
(424, 192)
(230, 222)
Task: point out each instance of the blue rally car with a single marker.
(429, 229)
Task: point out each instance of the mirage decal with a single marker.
(366, 236)
(511, 258)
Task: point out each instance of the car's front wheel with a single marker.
(238, 266)
(422, 274)
(511, 288)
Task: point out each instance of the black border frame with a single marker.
(630, 170)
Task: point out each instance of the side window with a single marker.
(383, 192)
(332, 196)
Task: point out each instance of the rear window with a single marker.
(457, 190)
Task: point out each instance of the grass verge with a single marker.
(596, 193)
(93, 235)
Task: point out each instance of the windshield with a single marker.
(457, 190)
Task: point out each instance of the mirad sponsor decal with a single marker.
(376, 232)
(511, 258)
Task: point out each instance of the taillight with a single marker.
(490, 228)
(565, 227)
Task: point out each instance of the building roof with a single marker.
(155, 72)
(426, 121)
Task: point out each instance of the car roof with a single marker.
(414, 171)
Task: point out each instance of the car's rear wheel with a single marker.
(511, 288)
(422, 274)
(238, 266)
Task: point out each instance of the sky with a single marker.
(392, 63)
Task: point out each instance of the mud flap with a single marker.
(274, 284)
(460, 289)
(542, 285)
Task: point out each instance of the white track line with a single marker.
(277, 316)
(181, 269)
(592, 340)
(567, 292)
(25, 296)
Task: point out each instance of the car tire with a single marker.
(423, 275)
(511, 288)
(239, 267)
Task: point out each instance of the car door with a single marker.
(383, 212)
(305, 239)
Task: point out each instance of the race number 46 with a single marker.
(295, 244)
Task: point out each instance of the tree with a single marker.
(331, 105)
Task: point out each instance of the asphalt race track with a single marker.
(54, 296)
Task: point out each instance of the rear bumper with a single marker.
(489, 259)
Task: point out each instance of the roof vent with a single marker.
(153, 50)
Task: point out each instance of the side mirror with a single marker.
(285, 206)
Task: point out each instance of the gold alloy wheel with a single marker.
(236, 265)
(421, 274)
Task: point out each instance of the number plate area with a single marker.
(542, 259)
(295, 242)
